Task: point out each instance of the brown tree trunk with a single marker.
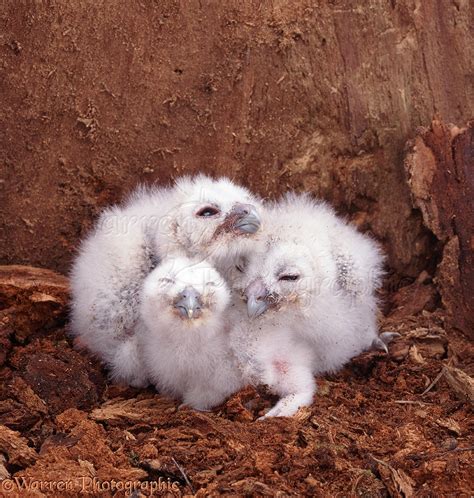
(440, 166)
(321, 96)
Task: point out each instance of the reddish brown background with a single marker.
(321, 96)
(333, 97)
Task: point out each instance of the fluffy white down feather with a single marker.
(189, 359)
(198, 217)
(310, 284)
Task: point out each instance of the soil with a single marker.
(397, 424)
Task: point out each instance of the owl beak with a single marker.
(246, 218)
(257, 298)
(189, 303)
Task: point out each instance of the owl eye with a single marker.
(207, 212)
(241, 265)
(166, 280)
(289, 278)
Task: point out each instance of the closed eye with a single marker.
(289, 278)
(207, 212)
(166, 280)
(241, 265)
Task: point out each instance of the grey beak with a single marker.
(189, 303)
(256, 307)
(257, 298)
(248, 220)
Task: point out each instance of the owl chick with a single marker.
(310, 291)
(198, 217)
(183, 333)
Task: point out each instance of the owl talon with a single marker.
(383, 340)
(388, 337)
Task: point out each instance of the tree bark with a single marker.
(306, 95)
(440, 166)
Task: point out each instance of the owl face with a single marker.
(282, 275)
(214, 217)
(185, 290)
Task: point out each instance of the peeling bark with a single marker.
(440, 168)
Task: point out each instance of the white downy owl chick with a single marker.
(183, 333)
(310, 290)
(198, 217)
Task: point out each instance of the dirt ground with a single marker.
(387, 425)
